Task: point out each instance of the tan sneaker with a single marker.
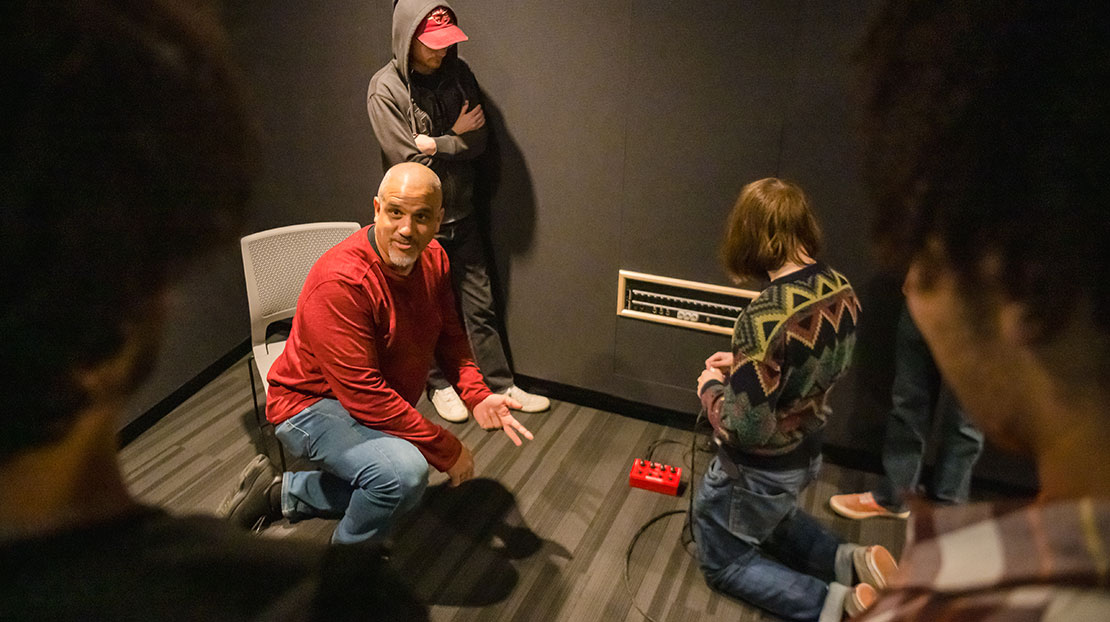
(874, 565)
(859, 599)
(449, 405)
(862, 505)
(529, 402)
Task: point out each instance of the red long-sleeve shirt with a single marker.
(366, 336)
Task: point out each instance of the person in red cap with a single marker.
(426, 107)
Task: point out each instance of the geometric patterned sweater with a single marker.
(790, 346)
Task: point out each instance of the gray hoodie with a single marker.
(402, 104)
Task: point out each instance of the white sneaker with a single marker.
(529, 402)
(449, 405)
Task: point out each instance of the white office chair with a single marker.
(275, 264)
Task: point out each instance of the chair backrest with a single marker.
(275, 264)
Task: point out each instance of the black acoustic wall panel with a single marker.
(555, 75)
(706, 109)
(705, 105)
(309, 64)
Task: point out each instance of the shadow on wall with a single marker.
(468, 546)
(881, 297)
(505, 204)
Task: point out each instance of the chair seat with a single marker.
(264, 356)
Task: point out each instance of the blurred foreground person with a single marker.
(127, 151)
(767, 402)
(988, 128)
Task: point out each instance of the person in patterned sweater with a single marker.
(767, 402)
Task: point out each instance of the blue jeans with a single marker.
(368, 477)
(916, 394)
(755, 544)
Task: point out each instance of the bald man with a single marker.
(375, 311)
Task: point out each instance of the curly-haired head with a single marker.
(989, 147)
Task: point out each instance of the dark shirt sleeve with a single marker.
(341, 331)
(471, 144)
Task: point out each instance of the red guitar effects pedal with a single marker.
(655, 476)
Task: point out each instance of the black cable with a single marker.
(628, 559)
(687, 527)
(658, 443)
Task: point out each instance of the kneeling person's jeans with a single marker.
(742, 522)
(368, 477)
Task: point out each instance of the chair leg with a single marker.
(261, 421)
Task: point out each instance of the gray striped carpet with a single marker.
(541, 534)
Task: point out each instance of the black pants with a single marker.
(466, 250)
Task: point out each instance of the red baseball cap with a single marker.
(438, 30)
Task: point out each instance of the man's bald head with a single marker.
(407, 213)
(411, 178)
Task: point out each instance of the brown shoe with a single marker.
(859, 599)
(874, 565)
(862, 505)
(250, 505)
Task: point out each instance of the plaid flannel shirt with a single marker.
(1040, 561)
